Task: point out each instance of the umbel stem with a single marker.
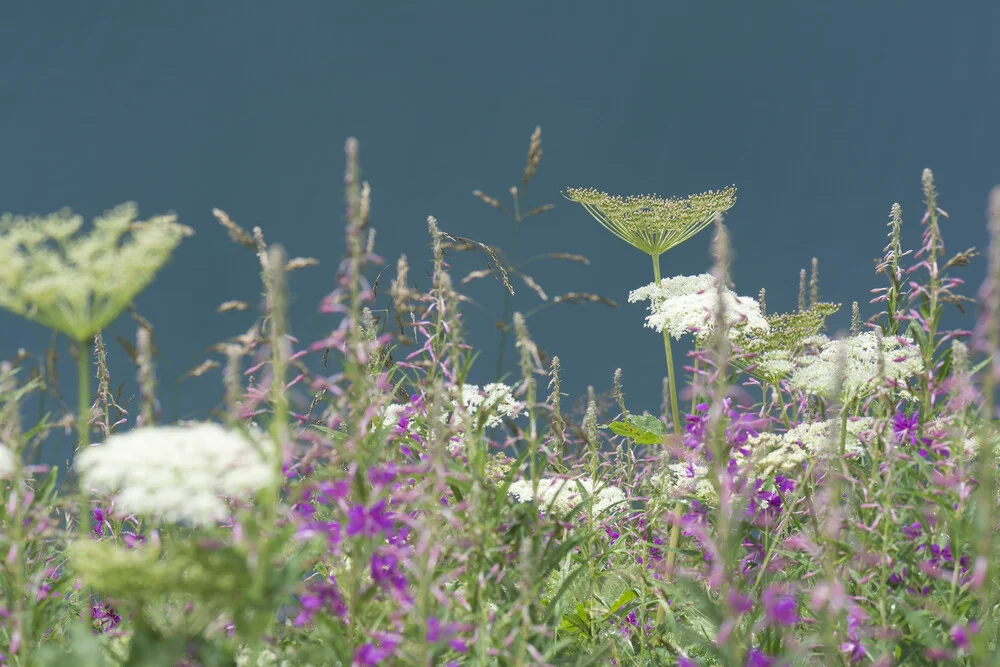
(675, 418)
(83, 393)
(674, 411)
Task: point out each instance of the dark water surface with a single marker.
(821, 116)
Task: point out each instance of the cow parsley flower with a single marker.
(78, 284)
(496, 396)
(7, 462)
(773, 452)
(859, 355)
(178, 473)
(686, 479)
(686, 304)
(559, 496)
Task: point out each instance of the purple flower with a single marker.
(99, 517)
(320, 596)
(105, 616)
(779, 606)
(374, 653)
(757, 658)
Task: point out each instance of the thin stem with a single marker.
(83, 394)
(671, 379)
(675, 530)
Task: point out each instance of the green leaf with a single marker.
(643, 429)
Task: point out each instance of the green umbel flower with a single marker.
(776, 349)
(650, 223)
(74, 283)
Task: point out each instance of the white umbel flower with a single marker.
(686, 479)
(559, 496)
(687, 304)
(495, 395)
(7, 462)
(806, 442)
(177, 473)
(859, 356)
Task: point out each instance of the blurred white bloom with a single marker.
(177, 473)
(686, 304)
(559, 496)
(496, 396)
(391, 415)
(686, 479)
(818, 373)
(7, 462)
(775, 363)
(774, 452)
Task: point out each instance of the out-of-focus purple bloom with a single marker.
(369, 521)
(99, 517)
(780, 606)
(374, 653)
(320, 596)
(853, 648)
(757, 658)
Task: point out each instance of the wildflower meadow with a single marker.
(803, 497)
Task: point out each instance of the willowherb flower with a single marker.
(7, 462)
(651, 223)
(559, 496)
(177, 473)
(857, 359)
(78, 284)
(686, 304)
(773, 452)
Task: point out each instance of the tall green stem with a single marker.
(674, 411)
(675, 530)
(83, 394)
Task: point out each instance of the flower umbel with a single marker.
(177, 473)
(650, 223)
(688, 304)
(78, 284)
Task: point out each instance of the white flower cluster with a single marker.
(686, 479)
(686, 304)
(559, 495)
(7, 462)
(177, 473)
(495, 395)
(777, 452)
(857, 359)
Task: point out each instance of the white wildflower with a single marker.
(559, 496)
(178, 473)
(686, 479)
(7, 462)
(687, 304)
(391, 415)
(858, 355)
(806, 442)
(496, 396)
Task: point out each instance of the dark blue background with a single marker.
(822, 114)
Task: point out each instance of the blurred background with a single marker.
(822, 115)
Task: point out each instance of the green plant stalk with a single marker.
(83, 395)
(675, 530)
